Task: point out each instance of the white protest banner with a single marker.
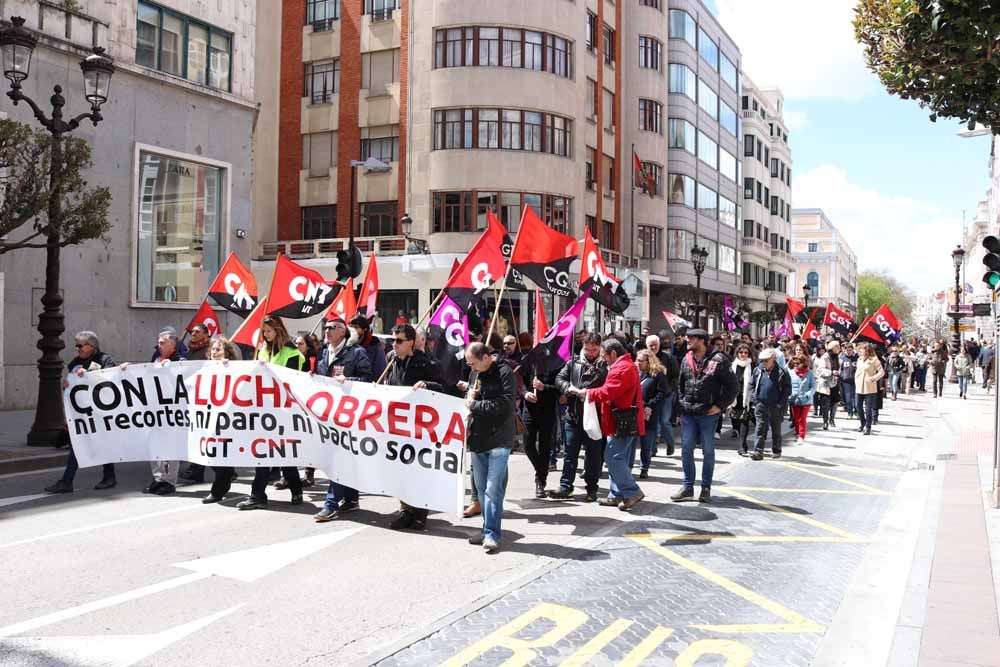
(398, 441)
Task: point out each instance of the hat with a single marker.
(766, 353)
(334, 320)
(697, 333)
(361, 321)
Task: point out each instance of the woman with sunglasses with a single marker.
(741, 411)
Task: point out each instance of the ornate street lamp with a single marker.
(16, 47)
(806, 291)
(768, 288)
(699, 256)
(958, 259)
(417, 246)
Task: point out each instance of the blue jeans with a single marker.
(666, 414)
(490, 472)
(337, 493)
(648, 441)
(593, 458)
(695, 429)
(618, 456)
(848, 393)
(963, 385)
(894, 379)
(866, 409)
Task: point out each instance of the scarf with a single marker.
(747, 379)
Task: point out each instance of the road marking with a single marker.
(874, 472)
(17, 500)
(845, 492)
(596, 644)
(646, 647)
(794, 622)
(750, 538)
(792, 515)
(816, 473)
(96, 526)
(97, 605)
(23, 473)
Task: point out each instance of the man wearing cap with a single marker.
(707, 387)
(769, 394)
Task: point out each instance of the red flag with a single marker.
(811, 332)
(298, 292)
(248, 333)
(369, 289)
(454, 267)
(344, 304)
(795, 308)
(514, 279)
(838, 320)
(206, 316)
(543, 254)
(235, 288)
(541, 324)
(883, 327)
(864, 323)
(483, 266)
(606, 288)
(642, 179)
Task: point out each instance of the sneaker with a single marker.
(705, 496)
(62, 486)
(800, 441)
(403, 520)
(561, 494)
(347, 507)
(472, 510)
(757, 456)
(209, 499)
(165, 489)
(490, 545)
(609, 501)
(476, 539)
(643, 474)
(776, 453)
(631, 502)
(540, 491)
(251, 504)
(106, 483)
(684, 494)
(670, 450)
(325, 514)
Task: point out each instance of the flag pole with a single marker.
(513, 317)
(427, 313)
(503, 286)
(632, 211)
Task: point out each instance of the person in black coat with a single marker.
(653, 378)
(541, 411)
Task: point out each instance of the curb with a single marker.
(29, 463)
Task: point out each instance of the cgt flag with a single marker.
(515, 280)
(206, 316)
(838, 320)
(448, 336)
(543, 254)
(298, 292)
(344, 306)
(811, 332)
(883, 327)
(556, 348)
(369, 289)
(235, 288)
(483, 266)
(606, 289)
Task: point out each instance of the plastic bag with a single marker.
(591, 420)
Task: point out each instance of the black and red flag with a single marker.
(797, 310)
(235, 288)
(483, 266)
(369, 289)
(838, 320)
(643, 180)
(606, 289)
(344, 304)
(206, 316)
(514, 280)
(298, 292)
(811, 332)
(883, 327)
(543, 254)
(556, 347)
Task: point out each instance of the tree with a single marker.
(25, 189)
(875, 288)
(943, 53)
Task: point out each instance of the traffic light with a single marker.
(992, 262)
(348, 263)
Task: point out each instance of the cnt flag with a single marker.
(206, 316)
(883, 327)
(515, 280)
(448, 336)
(838, 320)
(811, 332)
(369, 289)
(543, 254)
(556, 348)
(235, 288)
(541, 324)
(298, 292)
(606, 289)
(344, 306)
(248, 333)
(483, 266)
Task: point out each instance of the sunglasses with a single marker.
(400, 341)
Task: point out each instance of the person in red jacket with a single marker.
(620, 402)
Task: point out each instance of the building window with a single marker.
(683, 80)
(591, 31)
(591, 223)
(682, 135)
(650, 116)
(510, 44)
(774, 167)
(533, 130)
(748, 229)
(510, 129)
(590, 176)
(649, 242)
(608, 235)
(609, 45)
(681, 190)
(609, 110)
(727, 212)
(813, 247)
(559, 56)
(655, 172)
(679, 244)
(319, 222)
(321, 14)
(453, 129)
(812, 279)
(760, 189)
(747, 145)
(533, 50)
(774, 205)
(727, 70)
(649, 52)
(727, 119)
(655, 4)
(177, 44)
(381, 10)
(592, 98)
(179, 228)
(322, 80)
(708, 150)
(707, 99)
(727, 165)
(708, 49)
(727, 259)
(682, 26)
(319, 151)
(708, 202)
(379, 69)
(381, 143)
(608, 163)
(455, 212)
(378, 218)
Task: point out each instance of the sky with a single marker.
(891, 181)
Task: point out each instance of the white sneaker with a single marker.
(490, 545)
(800, 441)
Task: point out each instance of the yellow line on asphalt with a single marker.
(792, 515)
(595, 645)
(749, 538)
(754, 628)
(794, 622)
(875, 472)
(845, 492)
(816, 473)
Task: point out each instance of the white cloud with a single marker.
(796, 121)
(805, 48)
(909, 239)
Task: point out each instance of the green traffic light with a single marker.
(992, 278)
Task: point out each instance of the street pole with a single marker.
(697, 304)
(956, 335)
(996, 410)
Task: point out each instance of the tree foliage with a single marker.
(24, 190)
(943, 53)
(874, 289)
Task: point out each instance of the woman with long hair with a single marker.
(827, 371)
(866, 383)
(653, 379)
(740, 411)
(803, 387)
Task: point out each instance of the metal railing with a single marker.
(314, 248)
(384, 14)
(762, 246)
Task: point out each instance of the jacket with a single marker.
(491, 414)
(376, 354)
(673, 369)
(963, 365)
(848, 364)
(100, 358)
(582, 374)
(654, 392)
(897, 364)
(938, 361)
(418, 367)
(780, 380)
(706, 383)
(867, 376)
(351, 356)
(288, 356)
(803, 388)
(823, 373)
(621, 390)
(546, 407)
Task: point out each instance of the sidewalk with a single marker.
(15, 454)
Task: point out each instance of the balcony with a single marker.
(762, 247)
(316, 248)
(618, 259)
(781, 256)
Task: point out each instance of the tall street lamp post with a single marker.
(958, 259)
(16, 47)
(806, 292)
(699, 256)
(768, 288)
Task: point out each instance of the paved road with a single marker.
(762, 576)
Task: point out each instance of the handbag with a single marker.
(626, 421)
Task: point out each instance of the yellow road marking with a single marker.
(595, 645)
(845, 492)
(643, 650)
(794, 620)
(749, 538)
(874, 472)
(792, 515)
(816, 473)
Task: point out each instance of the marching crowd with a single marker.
(616, 402)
